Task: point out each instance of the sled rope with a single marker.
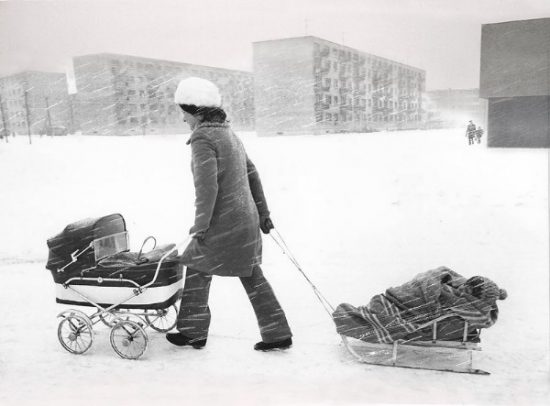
(276, 236)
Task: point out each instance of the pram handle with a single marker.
(177, 247)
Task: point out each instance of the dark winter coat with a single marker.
(471, 130)
(229, 201)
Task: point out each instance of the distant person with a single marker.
(479, 134)
(471, 132)
(230, 211)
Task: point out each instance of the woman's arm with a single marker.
(256, 189)
(205, 177)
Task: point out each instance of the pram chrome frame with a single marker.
(367, 352)
(128, 337)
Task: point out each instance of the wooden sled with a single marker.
(437, 355)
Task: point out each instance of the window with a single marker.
(328, 98)
(327, 82)
(335, 83)
(329, 117)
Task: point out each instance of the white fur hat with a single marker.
(197, 91)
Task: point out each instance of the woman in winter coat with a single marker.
(230, 210)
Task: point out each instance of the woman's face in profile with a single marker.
(190, 119)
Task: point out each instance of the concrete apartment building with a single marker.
(121, 94)
(33, 101)
(308, 85)
(451, 108)
(515, 78)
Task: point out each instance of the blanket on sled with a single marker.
(401, 311)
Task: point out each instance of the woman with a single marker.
(230, 210)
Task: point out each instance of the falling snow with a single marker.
(361, 213)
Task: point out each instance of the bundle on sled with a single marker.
(91, 264)
(426, 323)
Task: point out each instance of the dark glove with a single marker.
(266, 225)
(199, 236)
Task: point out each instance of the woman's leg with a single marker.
(194, 314)
(271, 317)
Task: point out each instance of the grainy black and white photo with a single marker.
(274, 202)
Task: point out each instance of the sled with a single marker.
(435, 355)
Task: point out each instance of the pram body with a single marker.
(92, 266)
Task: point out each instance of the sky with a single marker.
(440, 36)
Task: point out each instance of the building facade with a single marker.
(120, 94)
(450, 108)
(308, 85)
(33, 102)
(515, 79)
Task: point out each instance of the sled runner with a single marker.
(91, 265)
(435, 354)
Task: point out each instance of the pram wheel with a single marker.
(128, 339)
(75, 334)
(162, 320)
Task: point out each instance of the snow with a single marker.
(361, 212)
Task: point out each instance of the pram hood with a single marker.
(78, 236)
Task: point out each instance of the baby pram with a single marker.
(91, 265)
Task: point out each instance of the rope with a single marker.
(276, 236)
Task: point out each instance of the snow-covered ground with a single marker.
(361, 212)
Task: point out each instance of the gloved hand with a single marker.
(266, 225)
(199, 236)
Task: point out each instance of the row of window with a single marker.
(345, 101)
(331, 100)
(18, 91)
(361, 117)
(342, 68)
(336, 117)
(361, 85)
(347, 55)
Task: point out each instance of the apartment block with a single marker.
(515, 79)
(33, 101)
(121, 94)
(308, 85)
(451, 108)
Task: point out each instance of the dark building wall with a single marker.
(515, 78)
(515, 59)
(519, 122)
